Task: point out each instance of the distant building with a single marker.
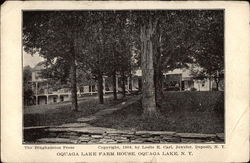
(176, 80)
(44, 94)
(182, 80)
(47, 94)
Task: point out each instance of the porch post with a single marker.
(117, 83)
(180, 82)
(209, 79)
(36, 95)
(132, 83)
(104, 90)
(128, 83)
(91, 92)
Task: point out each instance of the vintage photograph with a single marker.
(123, 76)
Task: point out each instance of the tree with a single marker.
(27, 74)
(55, 36)
(105, 43)
(92, 50)
(113, 36)
(176, 40)
(108, 49)
(184, 37)
(148, 27)
(209, 49)
(161, 31)
(119, 42)
(27, 87)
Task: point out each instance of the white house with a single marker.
(184, 81)
(176, 80)
(46, 94)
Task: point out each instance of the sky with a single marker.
(31, 60)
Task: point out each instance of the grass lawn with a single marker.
(193, 112)
(56, 114)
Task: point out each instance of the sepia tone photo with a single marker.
(124, 81)
(123, 76)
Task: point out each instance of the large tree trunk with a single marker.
(158, 75)
(148, 89)
(158, 79)
(123, 84)
(100, 88)
(74, 105)
(114, 85)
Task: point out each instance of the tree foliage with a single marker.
(108, 43)
(27, 86)
(55, 36)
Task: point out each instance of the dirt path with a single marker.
(108, 111)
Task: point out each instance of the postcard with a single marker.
(124, 81)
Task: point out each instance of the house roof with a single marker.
(184, 72)
(39, 66)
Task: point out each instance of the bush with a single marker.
(193, 89)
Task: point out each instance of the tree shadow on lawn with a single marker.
(190, 112)
(64, 114)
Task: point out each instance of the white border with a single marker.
(237, 82)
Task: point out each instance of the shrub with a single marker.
(193, 89)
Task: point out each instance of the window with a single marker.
(203, 84)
